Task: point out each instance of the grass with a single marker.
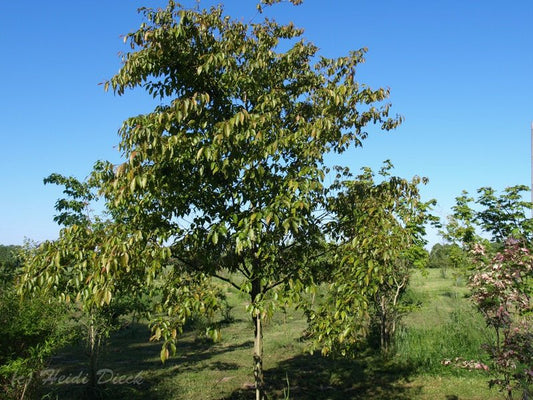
(445, 326)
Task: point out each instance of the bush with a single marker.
(31, 330)
(9, 262)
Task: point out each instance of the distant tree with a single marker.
(438, 257)
(448, 257)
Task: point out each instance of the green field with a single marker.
(444, 326)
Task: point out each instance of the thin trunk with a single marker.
(258, 345)
(94, 343)
(385, 340)
(258, 359)
(389, 316)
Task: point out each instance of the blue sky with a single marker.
(460, 72)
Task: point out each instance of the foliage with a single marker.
(449, 257)
(461, 225)
(9, 263)
(506, 215)
(85, 264)
(93, 258)
(229, 168)
(184, 296)
(379, 227)
(74, 208)
(91, 266)
(497, 216)
(502, 288)
(498, 232)
(31, 330)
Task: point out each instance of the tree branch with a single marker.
(290, 273)
(222, 278)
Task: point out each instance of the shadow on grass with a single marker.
(315, 377)
(304, 376)
(129, 366)
(190, 355)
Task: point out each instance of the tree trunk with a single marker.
(384, 328)
(94, 347)
(258, 345)
(92, 355)
(258, 359)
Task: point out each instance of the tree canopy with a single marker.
(491, 216)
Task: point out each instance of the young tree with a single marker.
(229, 168)
(502, 289)
(90, 265)
(498, 233)
(379, 230)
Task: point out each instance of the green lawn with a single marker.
(443, 327)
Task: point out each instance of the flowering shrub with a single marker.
(502, 288)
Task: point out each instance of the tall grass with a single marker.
(425, 348)
(445, 328)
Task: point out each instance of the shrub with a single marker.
(31, 330)
(502, 290)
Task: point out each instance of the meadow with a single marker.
(442, 326)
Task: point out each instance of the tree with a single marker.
(497, 233)
(491, 217)
(379, 229)
(90, 266)
(229, 168)
(502, 289)
(448, 257)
